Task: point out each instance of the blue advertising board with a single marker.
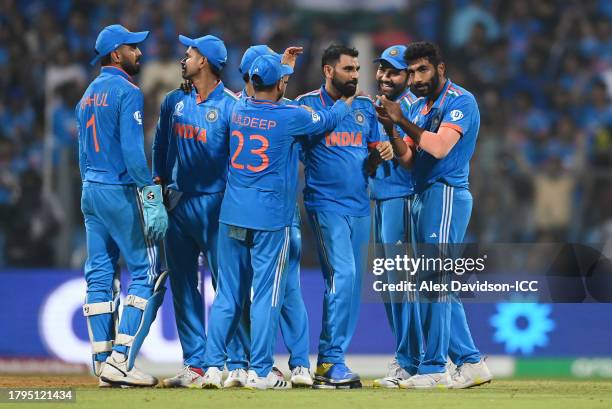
(42, 318)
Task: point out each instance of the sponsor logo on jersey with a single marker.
(138, 117)
(178, 108)
(456, 115)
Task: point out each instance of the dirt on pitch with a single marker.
(48, 381)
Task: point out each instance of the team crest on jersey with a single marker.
(212, 115)
(138, 117)
(178, 108)
(359, 117)
(456, 115)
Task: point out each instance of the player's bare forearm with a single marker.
(399, 146)
(413, 131)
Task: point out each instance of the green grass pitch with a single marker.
(520, 394)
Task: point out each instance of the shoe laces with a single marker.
(185, 372)
(457, 373)
(236, 373)
(299, 370)
(394, 369)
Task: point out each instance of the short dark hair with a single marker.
(423, 49)
(332, 54)
(259, 86)
(245, 77)
(106, 60)
(216, 71)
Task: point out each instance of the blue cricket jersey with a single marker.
(191, 144)
(336, 180)
(455, 108)
(296, 217)
(262, 178)
(391, 179)
(111, 138)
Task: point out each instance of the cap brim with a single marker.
(95, 60)
(189, 42)
(136, 38)
(393, 63)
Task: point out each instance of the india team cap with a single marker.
(394, 55)
(251, 54)
(211, 47)
(112, 37)
(270, 69)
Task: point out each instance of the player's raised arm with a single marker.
(290, 55)
(315, 123)
(403, 149)
(437, 144)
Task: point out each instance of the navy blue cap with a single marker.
(112, 37)
(211, 47)
(270, 69)
(394, 55)
(251, 54)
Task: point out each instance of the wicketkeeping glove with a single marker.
(155, 216)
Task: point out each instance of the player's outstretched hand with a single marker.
(186, 86)
(383, 118)
(392, 108)
(385, 150)
(154, 212)
(291, 54)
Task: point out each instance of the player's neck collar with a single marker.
(326, 99)
(215, 91)
(111, 69)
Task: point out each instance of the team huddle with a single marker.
(223, 189)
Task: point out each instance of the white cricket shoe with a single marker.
(213, 378)
(468, 375)
(115, 372)
(395, 374)
(427, 381)
(186, 378)
(236, 378)
(301, 377)
(271, 381)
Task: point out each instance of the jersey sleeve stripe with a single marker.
(452, 126)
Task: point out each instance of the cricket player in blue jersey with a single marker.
(190, 155)
(294, 317)
(123, 210)
(256, 218)
(392, 190)
(444, 124)
(336, 198)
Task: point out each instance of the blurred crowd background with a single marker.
(541, 72)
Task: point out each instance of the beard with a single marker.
(426, 89)
(395, 91)
(131, 68)
(346, 89)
